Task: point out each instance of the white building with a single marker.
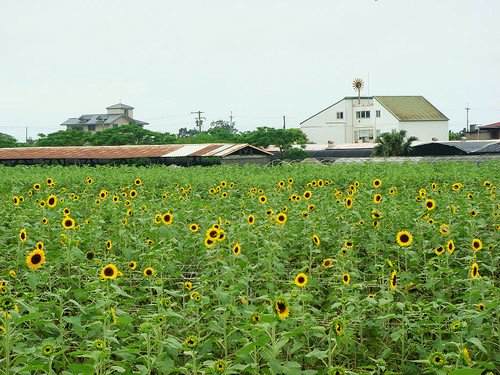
(353, 121)
(118, 115)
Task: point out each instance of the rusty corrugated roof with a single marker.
(122, 152)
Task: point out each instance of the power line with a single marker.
(199, 120)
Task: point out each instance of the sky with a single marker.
(259, 59)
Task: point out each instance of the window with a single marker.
(363, 135)
(91, 128)
(362, 114)
(377, 113)
(340, 115)
(115, 125)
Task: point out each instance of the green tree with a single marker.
(284, 139)
(129, 135)
(393, 144)
(452, 136)
(8, 141)
(186, 133)
(63, 138)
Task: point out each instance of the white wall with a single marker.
(426, 130)
(325, 126)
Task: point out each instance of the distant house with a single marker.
(352, 121)
(118, 115)
(485, 132)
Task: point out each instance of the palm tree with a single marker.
(358, 85)
(393, 144)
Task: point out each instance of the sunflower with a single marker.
(437, 359)
(109, 245)
(15, 200)
(37, 186)
(450, 246)
(255, 318)
(377, 198)
(51, 201)
(262, 199)
(466, 356)
(137, 182)
(89, 180)
(35, 259)
(348, 203)
(316, 239)
(327, 263)
(346, 278)
(236, 248)
(90, 255)
(196, 296)
(474, 270)
(191, 341)
(23, 235)
(251, 219)
(167, 218)
(377, 183)
(439, 250)
(99, 344)
(281, 218)
(212, 233)
(300, 280)
(149, 241)
(307, 195)
(480, 306)
(194, 227)
(133, 193)
(3, 330)
(109, 272)
(348, 244)
(476, 244)
(430, 204)
(394, 279)
(224, 194)
(148, 271)
(188, 285)
(209, 242)
(47, 349)
(376, 214)
(393, 191)
(132, 265)
(339, 328)
(222, 235)
(282, 308)
(13, 274)
(219, 365)
(404, 238)
(68, 223)
(40, 245)
(456, 186)
(444, 229)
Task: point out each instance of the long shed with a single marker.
(179, 154)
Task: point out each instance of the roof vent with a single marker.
(330, 145)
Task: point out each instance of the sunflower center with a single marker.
(404, 238)
(346, 278)
(301, 280)
(149, 272)
(68, 223)
(35, 259)
(108, 271)
(281, 307)
(476, 244)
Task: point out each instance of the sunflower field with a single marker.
(373, 268)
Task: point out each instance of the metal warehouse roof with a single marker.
(126, 152)
(119, 106)
(495, 125)
(411, 108)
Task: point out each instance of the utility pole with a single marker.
(26, 134)
(199, 120)
(467, 126)
(231, 119)
(284, 122)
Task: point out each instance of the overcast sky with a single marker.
(260, 59)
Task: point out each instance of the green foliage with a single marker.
(284, 139)
(393, 144)
(63, 138)
(456, 136)
(129, 135)
(7, 141)
(207, 308)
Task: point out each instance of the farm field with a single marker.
(302, 269)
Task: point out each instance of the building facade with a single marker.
(361, 120)
(117, 115)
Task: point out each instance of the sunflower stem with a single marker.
(7, 345)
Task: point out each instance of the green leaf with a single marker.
(316, 353)
(478, 343)
(118, 369)
(467, 371)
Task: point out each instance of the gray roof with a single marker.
(99, 119)
(120, 106)
(470, 147)
(490, 148)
